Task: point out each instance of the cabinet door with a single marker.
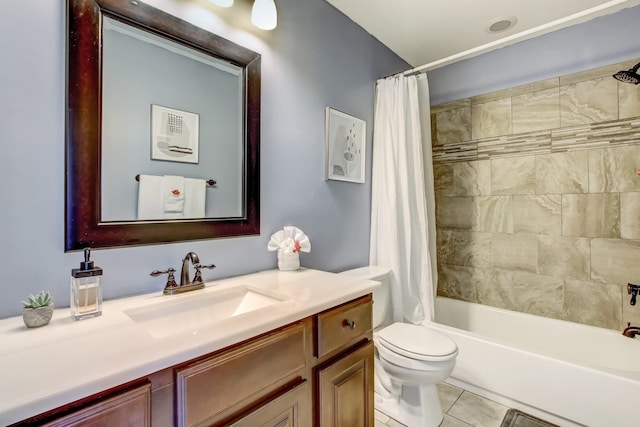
(211, 390)
(290, 409)
(345, 396)
(128, 409)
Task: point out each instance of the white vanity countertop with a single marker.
(47, 367)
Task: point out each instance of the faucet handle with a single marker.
(633, 290)
(171, 280)
(197, 279)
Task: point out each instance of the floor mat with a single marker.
(515, 418)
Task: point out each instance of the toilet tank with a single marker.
(382, 294)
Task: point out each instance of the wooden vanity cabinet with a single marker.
(345, 390)
(344, 370)
(248, 380)
(290, 409)
(314, 372)
(128, 407)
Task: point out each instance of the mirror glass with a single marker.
(178, 112)
(163, 124)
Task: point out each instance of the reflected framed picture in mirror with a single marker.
(174, 135)
(344, 147)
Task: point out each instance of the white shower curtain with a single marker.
(399, 220)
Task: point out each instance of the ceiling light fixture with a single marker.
(264, 14)
(502, 24)
(222, 3)
(629, 76)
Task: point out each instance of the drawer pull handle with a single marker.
(351, 325)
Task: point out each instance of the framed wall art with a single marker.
(174, 135)
(344, 147)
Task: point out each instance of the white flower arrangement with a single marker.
(289, 242)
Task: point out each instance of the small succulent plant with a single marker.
(42, 299)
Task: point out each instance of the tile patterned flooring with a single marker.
(461, 409)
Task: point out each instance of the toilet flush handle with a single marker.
(350, 324)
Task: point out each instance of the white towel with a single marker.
(150, 201)
(173, 196)
(195, 193)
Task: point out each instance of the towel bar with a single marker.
(209, 181)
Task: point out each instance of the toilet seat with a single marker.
(417, 342)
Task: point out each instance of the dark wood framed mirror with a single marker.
(85, 226)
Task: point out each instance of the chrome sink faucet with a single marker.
(185, 284)
(184, 273)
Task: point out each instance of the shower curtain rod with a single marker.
(576, 18)
(442, 62)
(407, 73)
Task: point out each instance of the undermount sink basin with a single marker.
(190, 313)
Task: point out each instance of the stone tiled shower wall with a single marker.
(538, 197)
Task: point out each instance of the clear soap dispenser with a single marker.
(86, 295)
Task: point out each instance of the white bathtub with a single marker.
(564, 372)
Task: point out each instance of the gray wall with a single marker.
(599, 42)
(314, 59)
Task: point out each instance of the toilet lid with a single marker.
(417, 342)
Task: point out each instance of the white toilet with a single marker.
(410, 360)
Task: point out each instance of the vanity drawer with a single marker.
(342, 325)
(291, 408)
(131, 408)
(215, 388)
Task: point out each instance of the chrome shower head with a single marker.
(629, 76)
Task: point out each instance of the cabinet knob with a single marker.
(350, 324)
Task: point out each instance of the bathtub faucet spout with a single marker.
(631, 331)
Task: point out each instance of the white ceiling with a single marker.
(439, 32)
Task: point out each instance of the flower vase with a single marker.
(288, 261)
